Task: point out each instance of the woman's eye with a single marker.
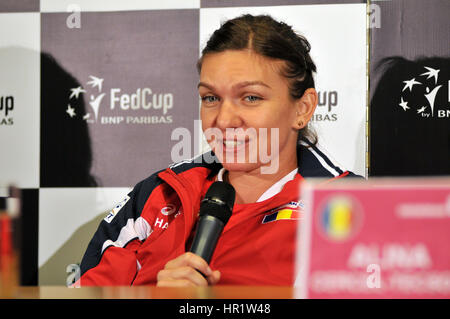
(252, 98)
(210, 99)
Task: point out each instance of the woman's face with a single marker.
(245, 103)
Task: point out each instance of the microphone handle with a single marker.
(208, 233)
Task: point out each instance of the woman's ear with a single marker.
(305, 108)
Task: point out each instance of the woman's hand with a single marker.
(185, 271)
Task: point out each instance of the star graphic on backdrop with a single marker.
(86, 116)
(404, 104)
(421, 109)
(70, 111)
(96, 82)
(409, 84)
(431, 73)
(76, 92)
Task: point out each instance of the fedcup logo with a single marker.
(420, 92)
(340, 217)
(126, 104)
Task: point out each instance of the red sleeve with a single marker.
(118, 267)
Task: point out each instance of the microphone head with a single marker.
(219, 201)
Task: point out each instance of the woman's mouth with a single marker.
(233, 145)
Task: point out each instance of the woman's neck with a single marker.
(251, 185)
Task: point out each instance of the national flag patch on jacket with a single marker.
(290, 211)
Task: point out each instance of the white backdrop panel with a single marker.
(19, 92)
(64, 212)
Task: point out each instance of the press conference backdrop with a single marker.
(91, 92)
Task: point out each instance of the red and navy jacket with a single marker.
(156, 222)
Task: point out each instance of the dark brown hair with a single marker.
(269, 38)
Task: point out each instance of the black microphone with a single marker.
(215, 211)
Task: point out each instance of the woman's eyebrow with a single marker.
(249, 83)
(205, 85)
(237, 85)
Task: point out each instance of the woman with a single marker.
(257, 91)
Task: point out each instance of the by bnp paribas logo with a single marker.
(420, 91)
(122, 106)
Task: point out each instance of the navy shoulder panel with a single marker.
(208, 160)
(312, 162)
(144, 188)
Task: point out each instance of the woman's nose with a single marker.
(228, 116)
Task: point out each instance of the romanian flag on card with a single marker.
(338, 218)
(290, 211)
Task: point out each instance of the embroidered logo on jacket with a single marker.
(116, 209)
(290, 211)
(168, 210)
